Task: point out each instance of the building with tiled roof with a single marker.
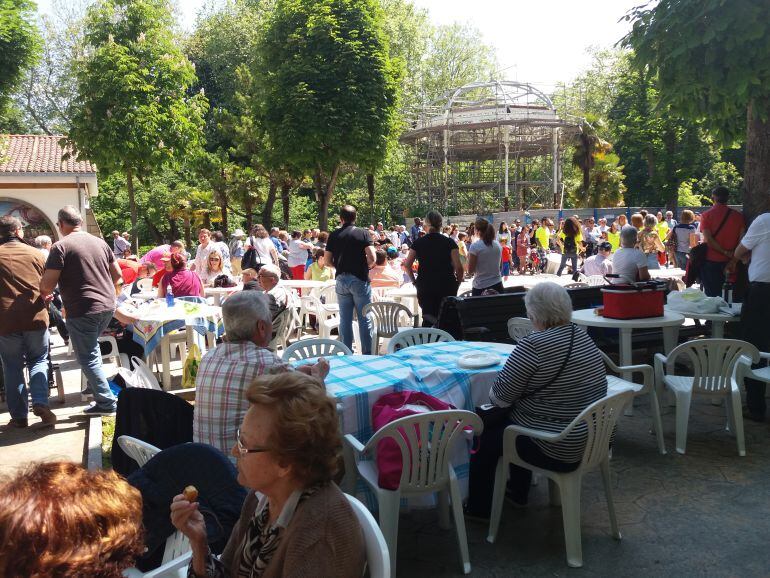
(36, 181)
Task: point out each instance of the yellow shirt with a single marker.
(578, 238)
(541, 236)
(318, 274)
(662, 230)
(614, 240)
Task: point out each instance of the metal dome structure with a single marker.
(488, 146)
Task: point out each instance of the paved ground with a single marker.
(65, 441)
(700, 514)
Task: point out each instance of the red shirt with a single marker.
(158, 276)
(506, 256)
(729, 235)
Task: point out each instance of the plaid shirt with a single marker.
(220, 398)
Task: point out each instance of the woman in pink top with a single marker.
(183, 283)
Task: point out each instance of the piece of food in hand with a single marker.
(190, 493)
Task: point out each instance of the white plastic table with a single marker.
(718, 320)
(305, 283)
(669, 323)
(217, 292)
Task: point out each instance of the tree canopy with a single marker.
(19, 43)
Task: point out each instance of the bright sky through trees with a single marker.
(539, 41)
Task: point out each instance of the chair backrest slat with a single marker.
(425, 441)
(713, 362)
(600, 419)
(519, 327)
(386, 316)
(310, 348)
(417, 336)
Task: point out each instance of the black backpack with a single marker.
(569, 245)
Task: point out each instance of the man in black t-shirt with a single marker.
(351, 252)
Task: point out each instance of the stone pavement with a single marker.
(66, 440)
(704, 513)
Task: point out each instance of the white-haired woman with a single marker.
(553, 374)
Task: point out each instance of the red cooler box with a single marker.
(633, 301)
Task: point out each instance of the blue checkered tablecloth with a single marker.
(157, 320)
(358, 381)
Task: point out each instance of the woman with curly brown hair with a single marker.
(59, 519)
(287, 450)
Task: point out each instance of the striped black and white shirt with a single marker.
(535, 361)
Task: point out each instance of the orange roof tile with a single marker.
(32, 153)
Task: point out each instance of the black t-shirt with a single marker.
(434, 252)
(347, 246)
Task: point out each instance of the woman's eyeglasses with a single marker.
(243, 450)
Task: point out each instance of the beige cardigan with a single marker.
(323, 539)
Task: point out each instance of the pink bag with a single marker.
(388, 408)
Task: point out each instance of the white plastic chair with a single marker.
(616, 384)
(714, 363)
(176, 555)
(377, 556)
(426, 468)
(600, 418)
(309, 348)
(327, 311)
(381, 293)
(283, 325)
(761, 373)
(595, 281)
(519, 327)
(387, 318)
(139, 451)
(113, 354)
(145, 284)
(417, 336)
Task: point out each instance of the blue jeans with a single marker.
(28, 348)
(681, 259)
(84, 335)
(353, 292)
(572, 257)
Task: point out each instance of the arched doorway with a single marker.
(34, 221)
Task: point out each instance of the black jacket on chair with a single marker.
(153, 416)
(219, 494)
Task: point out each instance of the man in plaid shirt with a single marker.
(227, 371)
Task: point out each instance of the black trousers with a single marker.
(755, 323)
(496, 287)
(481, 482)
(430, 297)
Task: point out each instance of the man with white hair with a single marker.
(628, 262)
(269, 278)
(226, 371)
(119, 244)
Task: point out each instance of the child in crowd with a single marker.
(506, 258)
(522, 247)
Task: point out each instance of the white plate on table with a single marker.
(478, 360)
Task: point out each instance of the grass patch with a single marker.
(108, 432)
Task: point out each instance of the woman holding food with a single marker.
(287, 450)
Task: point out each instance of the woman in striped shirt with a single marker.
(551, 376)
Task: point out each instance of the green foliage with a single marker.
(19, 43)
(330, 89)
(711, 57)
(131, 111)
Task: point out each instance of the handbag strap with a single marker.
(560, 370)
(724, 220)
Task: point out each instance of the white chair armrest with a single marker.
(357, 447)
(765, 355)
(517, 430)
(643, 368)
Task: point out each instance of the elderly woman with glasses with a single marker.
(299, 523)
(554, 373)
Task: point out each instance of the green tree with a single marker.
(19, 44)
(712, 61)
(132, 112)
(330, 88)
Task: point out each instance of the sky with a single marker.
(542, 42)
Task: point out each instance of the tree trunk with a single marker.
(671, 187)
(323, 194)
(221, 196)
(756, 171)
(267, 210)
(248, 207)
(285, 200)
(187, 233)
(173, 230)
(132, 208)
(370, 190)
(156, 233)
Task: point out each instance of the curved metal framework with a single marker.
(488, 146)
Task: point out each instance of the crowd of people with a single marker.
(276, 422)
